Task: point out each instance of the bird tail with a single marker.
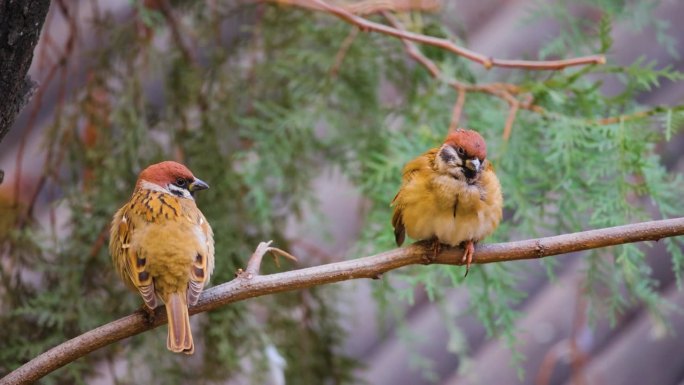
(180, 336)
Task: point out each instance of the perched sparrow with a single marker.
(449, 195)
(163, 247)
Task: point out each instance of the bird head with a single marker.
(462, 155)
(172, 178)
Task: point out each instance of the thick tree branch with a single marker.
(250, 285)
(20, 25)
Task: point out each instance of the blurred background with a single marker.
(301, 125)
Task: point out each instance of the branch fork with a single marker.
(254, 263)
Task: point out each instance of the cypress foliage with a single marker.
(255, 111)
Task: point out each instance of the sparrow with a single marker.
(163, 247)
(449, 195)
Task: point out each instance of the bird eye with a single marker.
(180, 182)
(460, 151)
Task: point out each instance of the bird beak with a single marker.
(473, 164)
(197, 185)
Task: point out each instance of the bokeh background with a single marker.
(71, 180)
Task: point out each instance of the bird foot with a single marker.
(436, 246)
(148, 313)
(469, 250)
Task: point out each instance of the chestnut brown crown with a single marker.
(470, 141)
(164, 173)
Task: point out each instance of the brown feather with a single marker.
(179, 338)
(468, 140)
(399, 229)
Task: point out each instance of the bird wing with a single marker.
(130, 265)
(413, 167)
(203, 264)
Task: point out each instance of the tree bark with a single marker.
(20, 24)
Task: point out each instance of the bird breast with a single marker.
(168, 233)
(441, 206)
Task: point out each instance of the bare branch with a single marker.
(254, 263)
(487, 62)
(368, 7)
(342, 52)
(503, 91)
(457, 110)
(368, 267)
(508, 127)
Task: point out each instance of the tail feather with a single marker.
(179, 336)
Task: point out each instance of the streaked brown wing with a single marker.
(131, 265)
(203, 264)
(409, 171)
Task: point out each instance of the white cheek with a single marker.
(175, 189)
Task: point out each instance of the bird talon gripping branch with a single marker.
(458, 171)
(148, 313)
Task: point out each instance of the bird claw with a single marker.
(469, 250)
(430, 258)
(148, 313)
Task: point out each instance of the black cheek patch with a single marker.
(446, 157)
(143, 276)
(199, 272)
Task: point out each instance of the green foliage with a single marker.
(258, 115)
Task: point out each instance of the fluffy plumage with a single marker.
(163, 247)
(449, 195)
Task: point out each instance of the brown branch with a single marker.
(368, 7)
(508, 127)
(254, 263)
(254, 285)
(174, 25)
(637, 115)
(487, 62)
(412, 50)
(504, 91)
(342, 52)
(457, 110)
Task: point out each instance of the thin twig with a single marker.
(510, 119)
(61, 64)
(369, 7)
(368, 267)
(637, 115)
(485, 61)
(412, 50)
(458, 109)
(167, 11)
(342, 52)
(504, 91)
